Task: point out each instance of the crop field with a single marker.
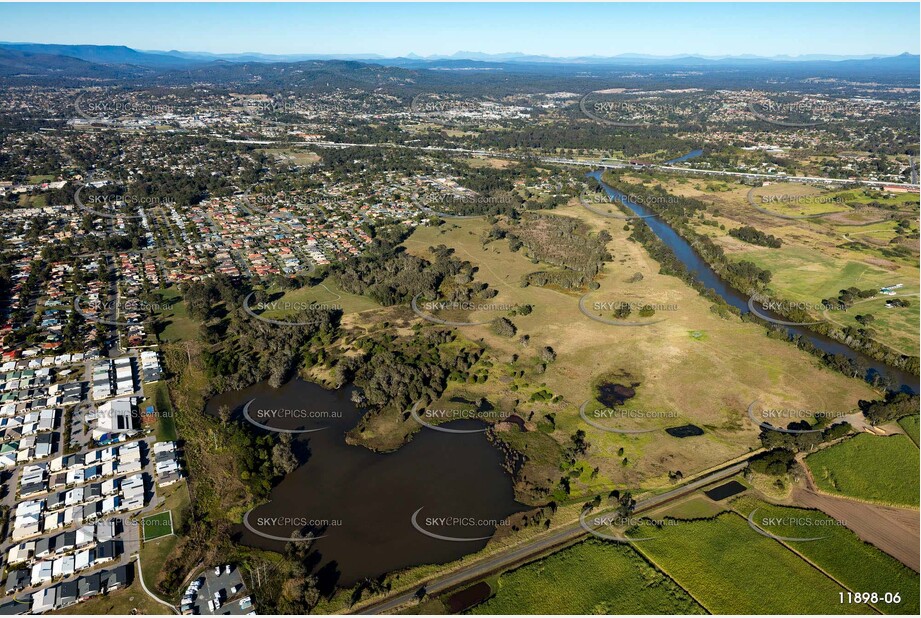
(874, 468)
(672, 363)
(911, 426)
(840, 553)
(593, 577)
(731, 569)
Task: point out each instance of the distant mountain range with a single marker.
(73, 64)
(120, 54)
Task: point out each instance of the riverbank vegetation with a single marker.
(819, 257)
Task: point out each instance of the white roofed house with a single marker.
(44, 600)
(115, 416)
(27, 520)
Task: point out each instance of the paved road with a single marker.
(593, 163)
(510, 557)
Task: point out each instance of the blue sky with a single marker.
(538, 28)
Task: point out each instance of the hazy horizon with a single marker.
(445, 29)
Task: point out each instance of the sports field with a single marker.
(155, 526)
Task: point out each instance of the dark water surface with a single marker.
(685, 157)
(369, 498)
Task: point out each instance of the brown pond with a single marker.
(363, 502)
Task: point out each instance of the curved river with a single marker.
(702, 272)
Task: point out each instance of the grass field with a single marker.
(911, 426)
(673, 368)
(801, 273)
(841, 554)
(592, 577)
(896, 326)
(177, 325)
(293, 155)
(794, 200)
(154, 552)
(731, 569)
(874, 468)
(155, 526)
(327, 293)
(156, 394)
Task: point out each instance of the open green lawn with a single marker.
(802, 273)
(156, 394)
(593, 577)
(326, 293)
(731, 569)
(894, 326)
(858, 565)
(875, 468)
(695, 507)
(155, 526)
(911, 426)
(177, 325)
(154, 552)
(866, 196)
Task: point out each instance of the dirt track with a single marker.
(893, 530)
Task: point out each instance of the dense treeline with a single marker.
(389, 275)
(756, 237)
(893, 407)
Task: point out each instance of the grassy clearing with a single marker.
(874, 468)
(841, 554)
(176, 323)
(695, 507)
(156, 394)
(896, 326)
(803, 274)
(673, 362)
(156, 550)
(581, 579)
(819, 257)
(293, 155)
(911, 426)
(795, 200)
(731, 569)
(326, 293)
